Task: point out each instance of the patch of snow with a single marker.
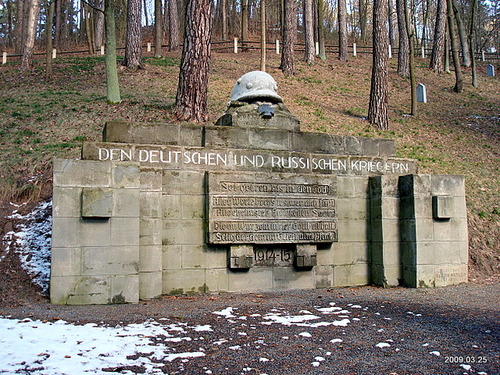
(466, 367)
(334, 341)
(436, 353)
(33, 239)
(227, 312)
(383, 345)
(305, 334)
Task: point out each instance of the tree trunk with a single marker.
(309, 32)
(48, 43)
(31, 24)
(20, 26)
(410, 35)
(377, 110)
(404, 46)
(57, 36)
(342, 19)
(244, 21)
(173, 26)
(289, 37)
(390, 23)
(191, 99)
(462, 34)
(459, 82)
(423, 41)
(158, 28)
(224, 20)
(133, 37)
(87, 13)
(363, 19)
(99, 26)
(437, 55)
(472, 42)
(263, 35)
(112, 83)
(321, 29)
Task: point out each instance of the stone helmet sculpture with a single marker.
(256, 86)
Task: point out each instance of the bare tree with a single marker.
(472, 42)
(342, 20)
(112, 83)
(289, 37)
(437, 56)
(173, 26)
(377, 110)
(309, 31)
(410, 35)
(363, 19)
(191, 99)
(462, 34)
(459, 82)
(29, 44)
(321, 29)
(244, 20)
(133, 37)
(158, 28)
(403, 45)
(49, 35)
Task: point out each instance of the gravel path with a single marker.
(367, 330)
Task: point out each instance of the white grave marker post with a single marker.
(490, 70)
(317, 48)
(235, 45)
(390, 51)
(423, 52)
(54, 53)
(149, 47)
(277, 47)
(482, 56)
(102, 50)
(4, 57)
(354, 49)
(421, 93)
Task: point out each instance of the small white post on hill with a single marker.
(354, 52)
(4, 58)
(277, 47)
(317, 48)
(482, 56)
(390, 51)
(149, 47)
(235, 45)
(54, 53)
(102, 50)
(423, 52)
(421, 93)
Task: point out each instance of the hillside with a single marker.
(452, 134)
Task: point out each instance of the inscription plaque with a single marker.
(270, 209)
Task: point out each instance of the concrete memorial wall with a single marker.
(251, 203)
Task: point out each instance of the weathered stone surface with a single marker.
(250, 204)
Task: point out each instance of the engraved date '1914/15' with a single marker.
(273, 256)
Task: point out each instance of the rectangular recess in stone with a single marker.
(97, 203)
(264, 208)
(443, 207)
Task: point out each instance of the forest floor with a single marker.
(453, 133)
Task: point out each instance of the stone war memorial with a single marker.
(248, 204)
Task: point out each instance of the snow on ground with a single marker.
(32, 242)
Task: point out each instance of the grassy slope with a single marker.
(452, 134)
